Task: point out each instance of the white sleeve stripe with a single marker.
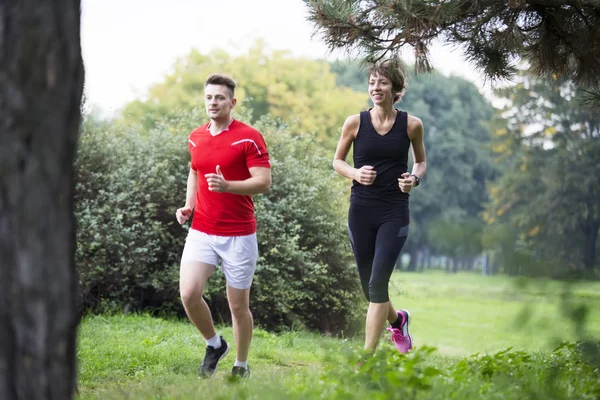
(248, 140)
(194, 144)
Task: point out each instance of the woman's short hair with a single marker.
(394, 71)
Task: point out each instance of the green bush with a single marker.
(569, 372)
(129, 182)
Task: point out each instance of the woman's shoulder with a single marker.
(414, 122)
(351, 126)
(353, 121)
(414, 125)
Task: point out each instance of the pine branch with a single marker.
(590, 100)
(560, 37)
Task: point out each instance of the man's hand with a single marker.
(216, 182)
(406, 182)
(365, 175)
(183, 214)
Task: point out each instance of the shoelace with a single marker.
(397, 335)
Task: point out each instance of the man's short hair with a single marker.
(220, 79)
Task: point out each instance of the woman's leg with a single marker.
(391, 237)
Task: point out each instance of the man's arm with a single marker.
(259, 182)
(185, 212)
(192, 189)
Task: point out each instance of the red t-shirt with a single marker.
(235, 150)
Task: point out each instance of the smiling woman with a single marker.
(378, 218)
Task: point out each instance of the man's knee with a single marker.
(239, 310)
(190, 294)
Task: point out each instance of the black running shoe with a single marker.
(240, 372)
(212, 358)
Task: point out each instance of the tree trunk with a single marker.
(41, 84)
(484, 264)
(427, 258)
(470, 263)
(399, 262)
(589, 247)
(420, 259)
(412, 263)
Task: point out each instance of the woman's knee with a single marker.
(378, 291)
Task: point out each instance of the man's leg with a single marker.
(194, 275)
(192, 280)
(243, 323)
(239, 255)
(198, 262)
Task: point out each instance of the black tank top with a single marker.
(388, 154)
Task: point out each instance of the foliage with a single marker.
(298, 90)
(129, 243)
(386, 374)
(549, 194)
(560, 38)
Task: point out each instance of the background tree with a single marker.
(300, 91)
(549, 194)
(41, 84)
(558, 37)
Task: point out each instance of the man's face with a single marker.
(219, 101)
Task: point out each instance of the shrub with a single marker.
(130, 181)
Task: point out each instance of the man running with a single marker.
(229, 164)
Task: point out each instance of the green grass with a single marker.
(467, 313)
(139, 357)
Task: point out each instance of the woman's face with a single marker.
(380, 89)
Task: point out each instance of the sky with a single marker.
(128, 45)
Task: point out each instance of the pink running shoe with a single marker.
(401, 337)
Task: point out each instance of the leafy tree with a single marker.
(41, 83)
(558, 37)
(297, 90)
(550, 192)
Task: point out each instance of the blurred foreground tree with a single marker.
(557, 37)
(41, 84)
(549, 195)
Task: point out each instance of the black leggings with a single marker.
(377, 236)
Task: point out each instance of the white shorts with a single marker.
(238, 255)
